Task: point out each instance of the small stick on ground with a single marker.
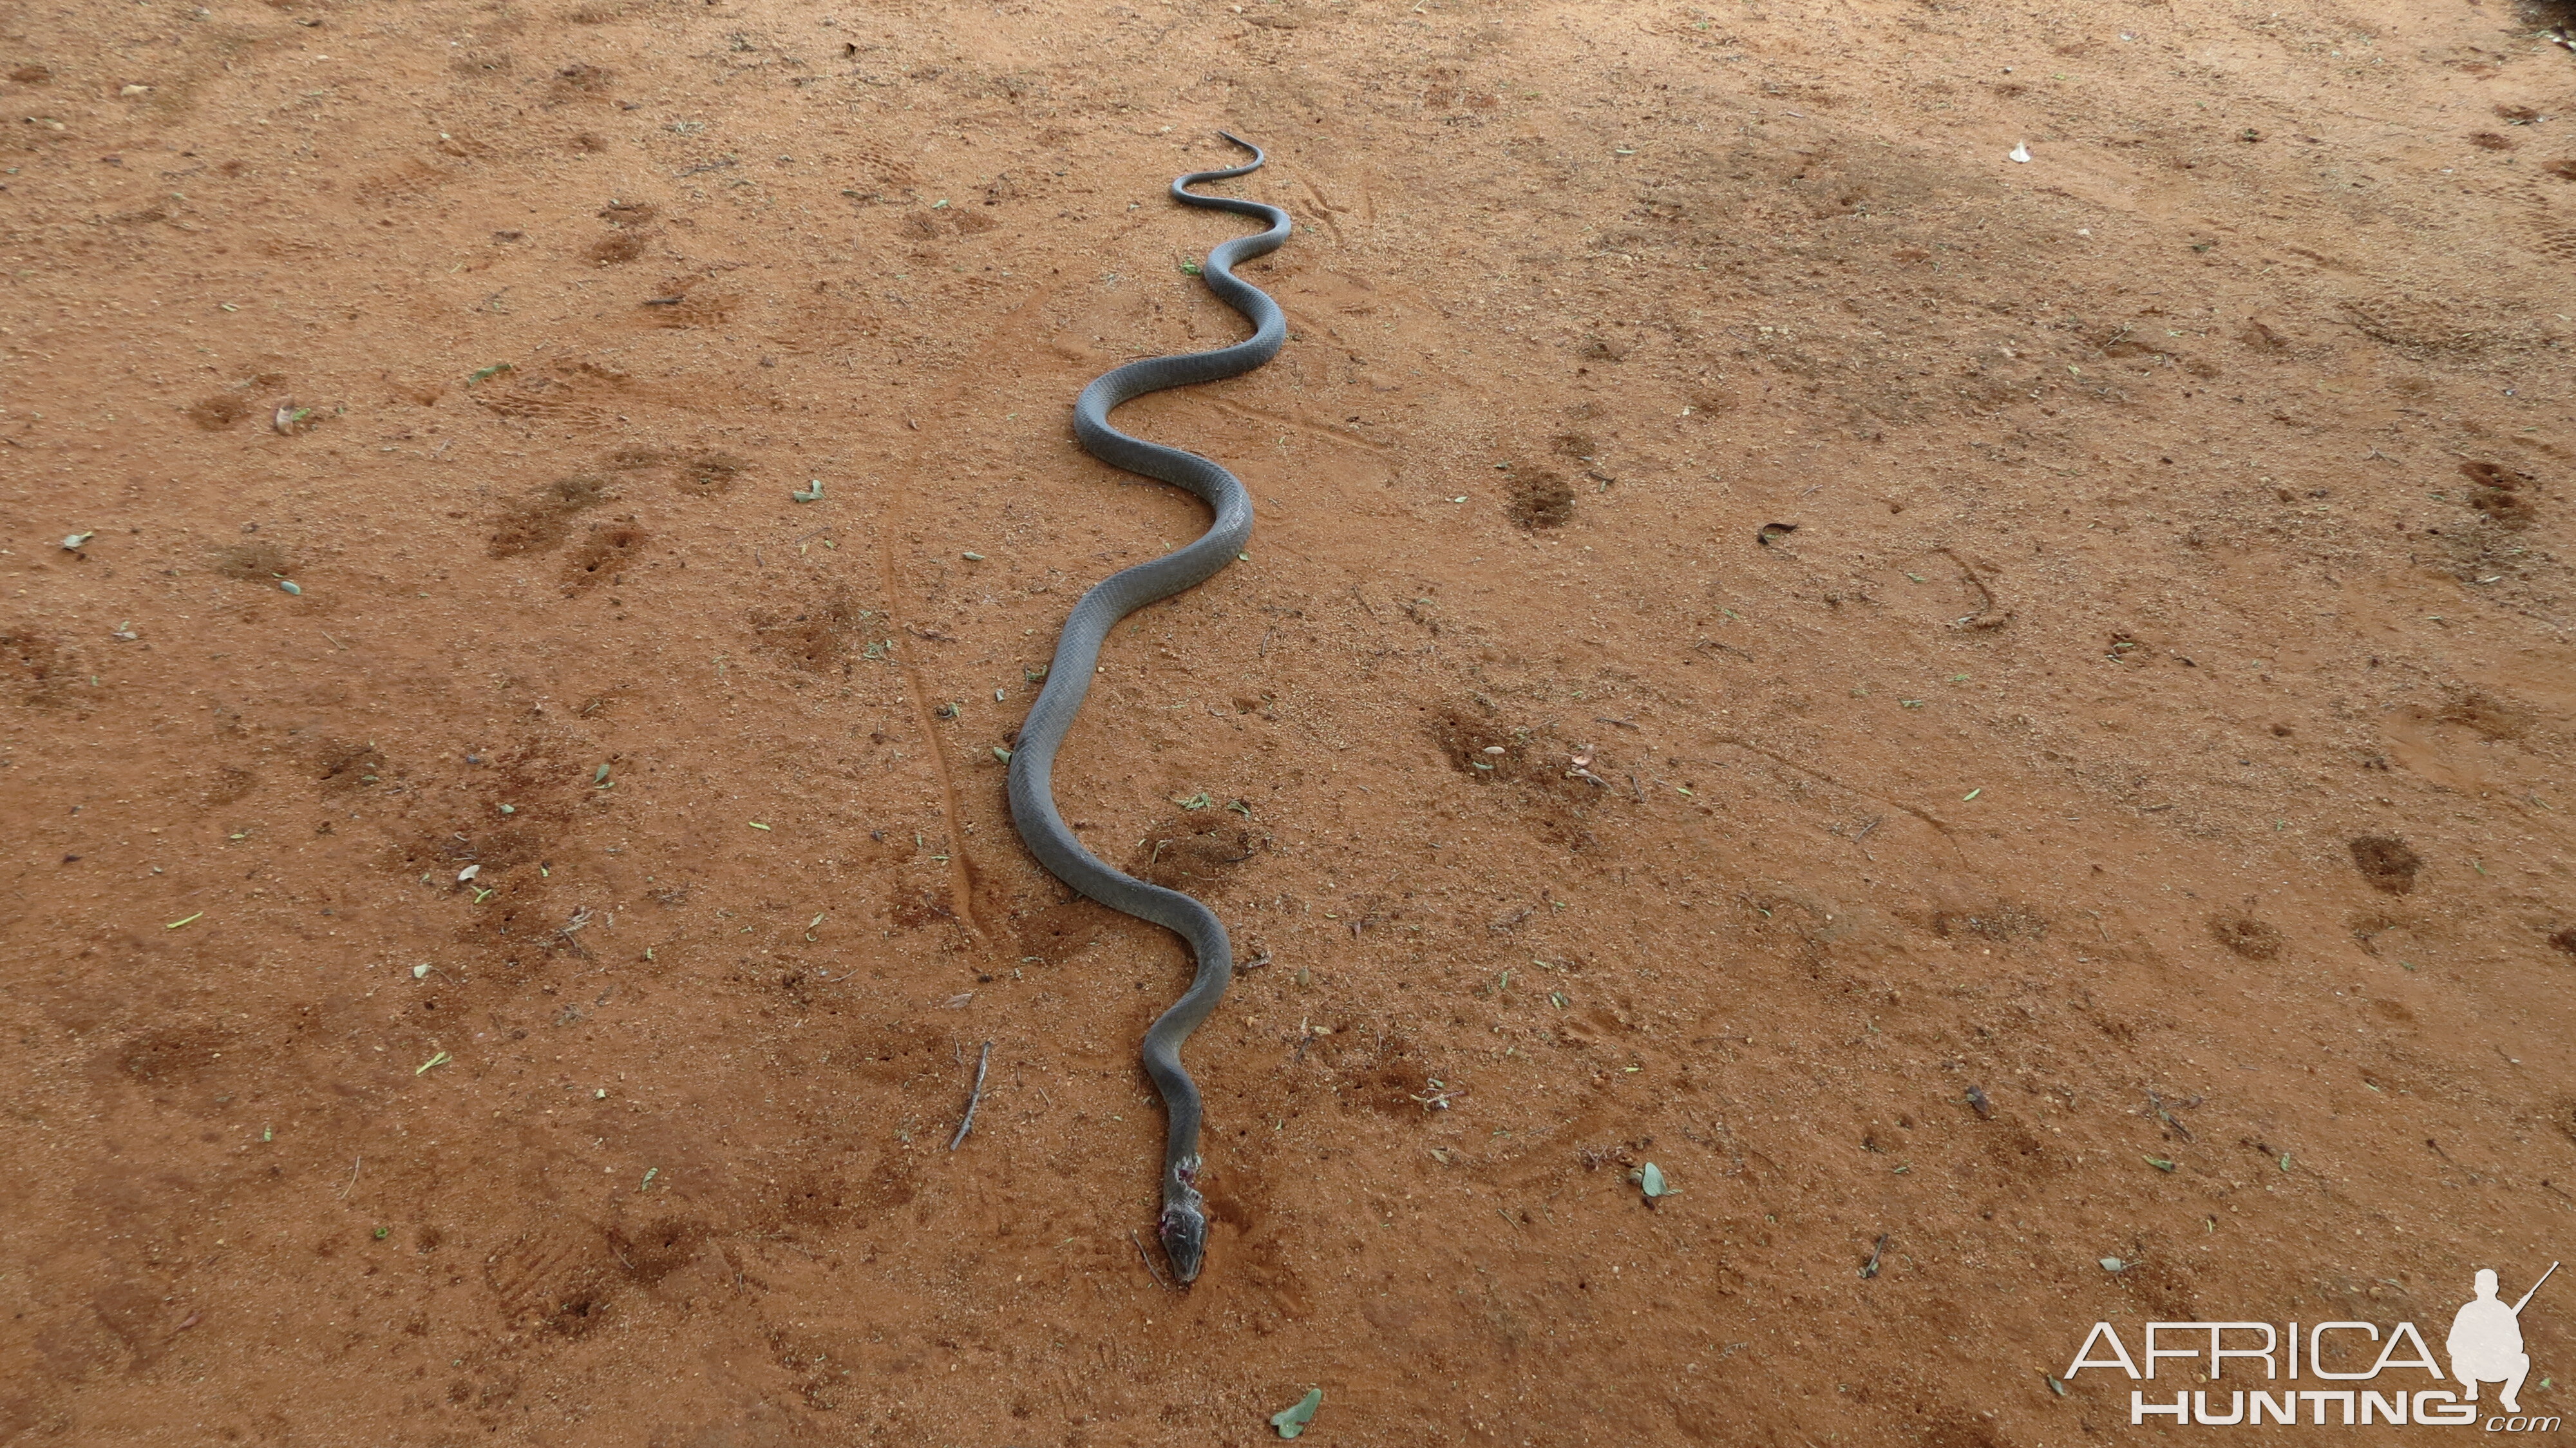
(1877, 1250)
(1164, 1282)
(973, 1099)
(353, 1175)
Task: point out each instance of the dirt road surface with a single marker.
(2002, 722)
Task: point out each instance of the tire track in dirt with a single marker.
(1016, 327)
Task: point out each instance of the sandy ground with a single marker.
(1984, 716)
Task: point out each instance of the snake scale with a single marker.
(1183, 1226)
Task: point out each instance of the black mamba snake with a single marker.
(1183, 1227)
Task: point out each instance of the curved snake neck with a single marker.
(1183, 1227)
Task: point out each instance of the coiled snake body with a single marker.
(1183, 1227)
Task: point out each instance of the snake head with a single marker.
(1184, 1234)
(1184, 1225)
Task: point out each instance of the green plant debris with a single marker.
(1191, 268)
(1650, 1180)
(1001, 754)
(75, 540)
(599, 780)
(383, 1232)
(1199, 800)
(2113, 1264)
(441, 1059)
(175, 924)
(1292, 1421)
(289, 585)
(812, 492)
(2159, 1163)
(755, 824)
(486, 374)
(650, 1172)
(2285, 1161)
(1971, 794)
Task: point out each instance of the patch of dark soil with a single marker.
(822, 638)
(543, 519)
(710, 473)
(219, 410)
(2249, 938)
(609, 548)
(2386, 862)
(625, 246)
(254, 560)
(1195, 850)
(2484, 713)
(1542, 499)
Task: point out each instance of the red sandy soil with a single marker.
(2033, 703)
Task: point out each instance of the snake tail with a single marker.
(1183, 1226)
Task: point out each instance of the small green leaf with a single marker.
(2159, 1163)
(2112, 1264)
(1001, 754)
(1971, 794)
(2054, 1385)
(1292, 1421)
(441, 1059)
(175, 924)
(486, 374)
(383, 1232)
(812, 492)
(1650, 1180)
(2285, 1161)
(601, 777)
(1199, 800)
(755, 824)
(290, 586)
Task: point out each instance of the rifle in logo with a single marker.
(2486, 1341)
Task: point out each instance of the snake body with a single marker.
(1183, 1225)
